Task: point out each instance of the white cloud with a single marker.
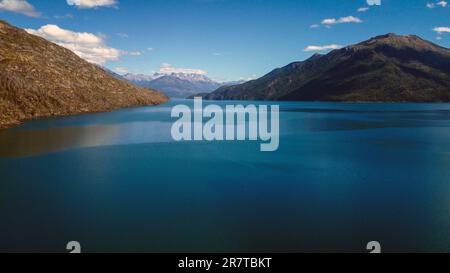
(89, 4)
(363, 9)
(321, 48)
(374, 2)
(349, 19)
(123, 35)
(88, 46)
(121, 70)
(441, 29)
(135, 53)
(432, 5)
(314, 26)
(169, 69)
(329, 21)
(247, 79)
(19, 6)
(342, 20)
(65, 16)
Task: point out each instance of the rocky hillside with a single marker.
(388, 68)
(41, 79)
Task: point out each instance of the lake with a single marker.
(344, 175)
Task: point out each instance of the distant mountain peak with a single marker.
(191, 77)
(178, 85)
(154, 76)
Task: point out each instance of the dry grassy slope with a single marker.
(41, 79)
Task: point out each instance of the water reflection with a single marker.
(23, 143)
(152, 124)
(27, 143)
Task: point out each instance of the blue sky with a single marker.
(227, 39)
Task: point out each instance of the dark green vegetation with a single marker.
(388, 68)
(41, 79)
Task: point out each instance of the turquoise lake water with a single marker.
(344, 175)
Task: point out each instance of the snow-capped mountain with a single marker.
(140, 77)
(176, 85)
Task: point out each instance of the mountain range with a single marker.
(387, 68)
(41, 79)
(177, 85)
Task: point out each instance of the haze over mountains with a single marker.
(387, 68)
(41, 79)
(177, 85)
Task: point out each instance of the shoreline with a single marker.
(6, 126)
